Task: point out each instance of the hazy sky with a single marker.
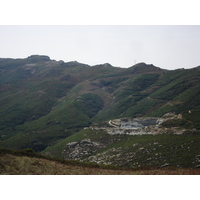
(168, 47)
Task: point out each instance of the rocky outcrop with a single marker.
(113, 142)
(140, 126)
(79, 150)
(135, 123)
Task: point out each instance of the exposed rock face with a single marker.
(115, 145)
(136, 123)
(79, 150)
(139, 126)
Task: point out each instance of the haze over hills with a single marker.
(47, 104)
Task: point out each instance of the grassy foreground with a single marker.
(29, 163)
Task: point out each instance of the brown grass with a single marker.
(22, 165)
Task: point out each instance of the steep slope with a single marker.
(154, 94)
(43, 100)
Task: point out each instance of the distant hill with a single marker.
(44, 101)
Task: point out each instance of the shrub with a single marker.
(177, 123)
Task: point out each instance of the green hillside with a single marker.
(160, 150)
(45, 103)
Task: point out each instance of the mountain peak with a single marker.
(143, 68)
(142, 64)
(103, 65)
(38, 58)
(107, 65)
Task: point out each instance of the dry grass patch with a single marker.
(23, 165)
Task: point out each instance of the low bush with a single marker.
(177, 123)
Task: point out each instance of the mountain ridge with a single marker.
(44, 101)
